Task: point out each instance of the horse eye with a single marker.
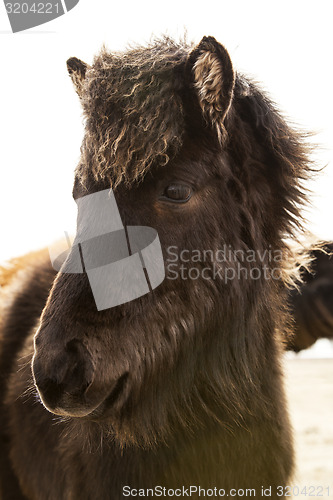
(177, 192)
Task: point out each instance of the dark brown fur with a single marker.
(199, 395)
(312, 304)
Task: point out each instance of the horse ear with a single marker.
(214, 81)
(77, 71)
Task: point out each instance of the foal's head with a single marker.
(199, 154)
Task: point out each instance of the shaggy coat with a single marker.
(182, 386)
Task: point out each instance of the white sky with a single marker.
(285, 45)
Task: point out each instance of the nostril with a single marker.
(79, 372)
(64, 377)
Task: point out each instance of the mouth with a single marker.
(111, 400)
(96, 412)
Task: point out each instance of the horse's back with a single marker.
(24, 287)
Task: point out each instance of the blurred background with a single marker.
(286, 46)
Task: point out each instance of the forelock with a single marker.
(133, 110)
